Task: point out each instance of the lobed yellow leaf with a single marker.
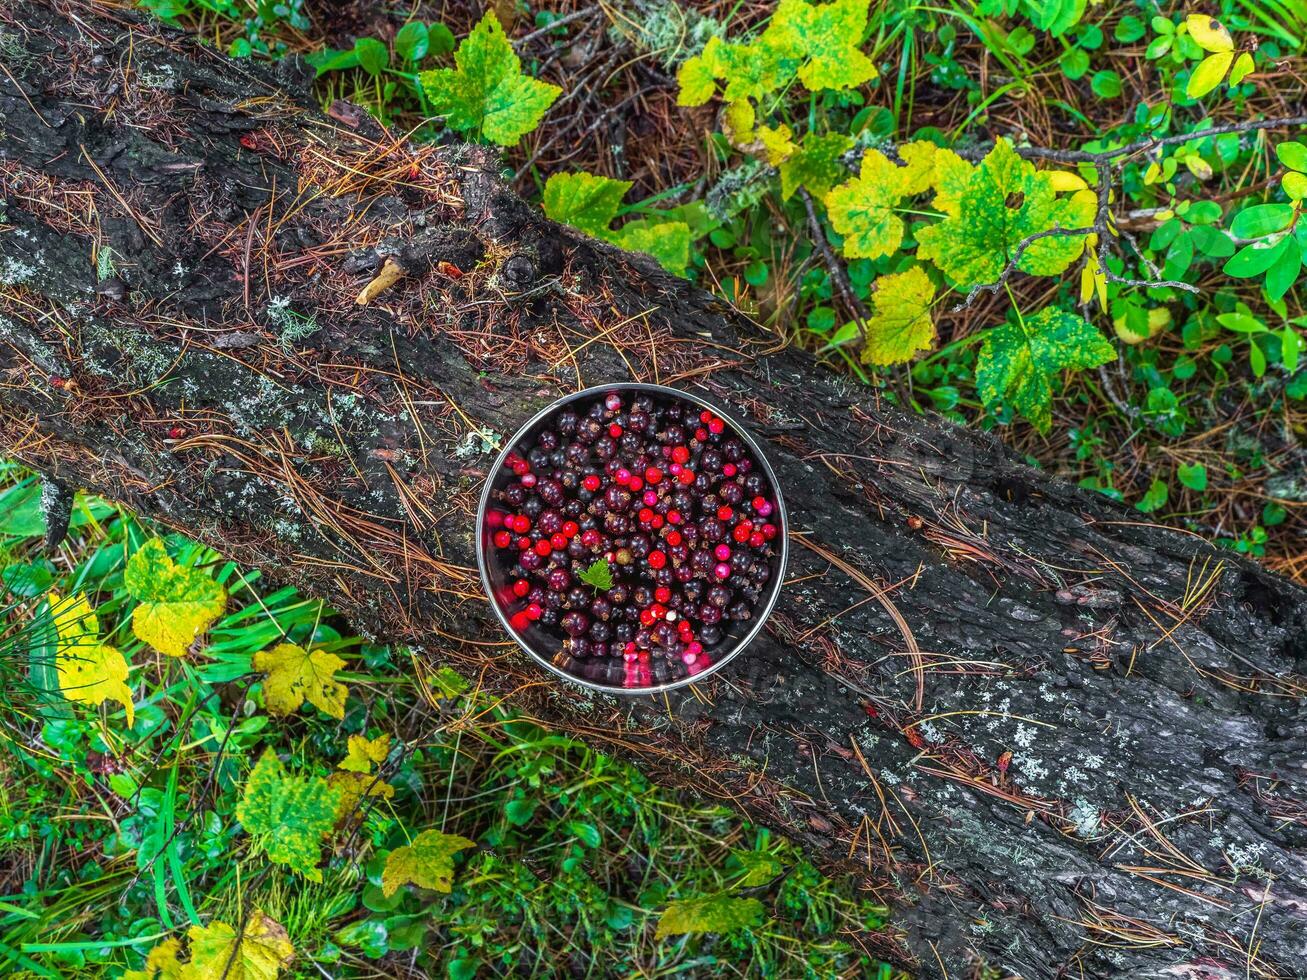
(176, 604)
(89, 671)
(296, 675)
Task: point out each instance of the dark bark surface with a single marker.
(182, 242)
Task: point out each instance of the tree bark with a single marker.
(1058, 739)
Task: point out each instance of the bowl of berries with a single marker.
(632, 538)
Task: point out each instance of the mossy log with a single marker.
(1058, 739)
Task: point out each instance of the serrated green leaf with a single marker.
(713, 913)
(1018, 362)
(598, 576)
(758, 866)
(428, 862)
(585, 201)
(862, 209)
(991, 209)
(818, 165)
(486, 92)
(176, 604)
(900, 324)
(288, 816)
(666, 241)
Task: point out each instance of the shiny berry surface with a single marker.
(638, 536)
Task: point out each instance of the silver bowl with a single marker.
(541, 642)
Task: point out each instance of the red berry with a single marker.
(558, 541)
(705, 416)
(673, 537)
(657, 559)
(520, 621)
(680, 454)
(570, 528)
(646, 617)
(685, 477)
(716, 426)
(756, 540)
(521, 587)
(57, 382)
(591, 483)
(663, 594)
(769, 531)
(503, 539)
(622, 476)
(529, 480)
(742, 531)
(673, 517)
(636, 483)
(523, 543)
(590, 538)
(724, 513)
(701, 435)
(533, 611)
(615, 431)
(543, 547)
(653, 474)
(645, 515)
(728, 470)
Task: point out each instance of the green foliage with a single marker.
(486, 93)
(288, 816)
(599, 576)
(1020, 360)
(713, 913)
(590, 203)
(176, 604)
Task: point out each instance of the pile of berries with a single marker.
(636, 531)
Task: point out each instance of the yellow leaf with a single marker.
(177, 604)
(777, 144)
(262, 952)
(901, 324)
(295, 674)
(1208, 74)
(89, 671)
(428, 862)
(1066, 180)
(737, 122)
(919, 166)
(1210, 33)
(1295, 185)
(365, 752)
(353, 787)
(161, 964)
(1243, 67)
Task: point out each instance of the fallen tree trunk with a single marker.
(1059, 740)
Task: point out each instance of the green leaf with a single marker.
(586, 833)
(1106, 84)
(1129, 29)
(1243, 67)
(666, 241)
(598, 576)
(428, 862)
(330, 60)
(900, 324)
(1154, 498)
(1208, 74)
(714, 913)
(448, 683)
(1293, 156)
(862, 209)
(817, 166)
(1075, 63)
(1193, 476)
(827, 37)
(1018, 362)
(759, 867)
(176, 604)
(587, 202)
(1254, 259)
(487, 92)
(1281, 276)
(413, 41)
(288, 816)
(991, 209)
(1295, 185)
(296, 675)
(372, 54)
(1261, 220)
(440, 39)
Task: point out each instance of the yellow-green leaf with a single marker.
(696, 81)
(296, 675)
(364, 753)
(862, 209)
(1019, 362)
(1243, 67)
(826, 37)
(352, 788)
(585, 201)
(288, 816)
(261, 953)
(666, 241)
(486, 92)
(176, 604)
(428, 862)
(713, 913)
(161, 964)
(1208, 74)
(1209, 33)
(89, 671)
(1295, 185)
(991, 209)
(900, 324)
(817, 166)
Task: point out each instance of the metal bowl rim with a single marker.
(622, 386)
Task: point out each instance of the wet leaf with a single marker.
(288, 815)
(176, 604)
(428, 862)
